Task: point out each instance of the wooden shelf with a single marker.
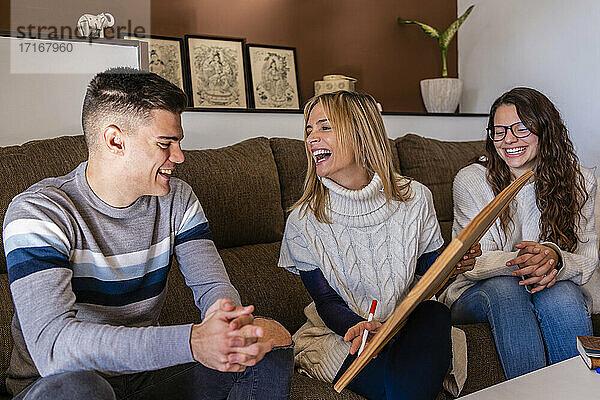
(426, 114)
(275, 111)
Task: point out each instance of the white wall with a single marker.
(38, 105)
(44, 105)
(217, 129)
(213, 129)
(550, 45)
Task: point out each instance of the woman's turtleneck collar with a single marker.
(363, 207)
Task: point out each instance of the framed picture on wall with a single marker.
(217, 71)
(274, 77)
(165, 57)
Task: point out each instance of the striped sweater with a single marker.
(88, 280)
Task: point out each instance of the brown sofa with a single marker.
(245, 190)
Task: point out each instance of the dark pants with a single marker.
(415, 361)
(269, 379)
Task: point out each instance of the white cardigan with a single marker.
(471, 193)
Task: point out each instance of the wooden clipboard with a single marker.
(437, 275)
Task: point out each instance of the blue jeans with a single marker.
(530, 330)
(414, 362)
(269, 379)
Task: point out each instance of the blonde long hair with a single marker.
(357, 122)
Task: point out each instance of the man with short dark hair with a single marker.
(88, 255)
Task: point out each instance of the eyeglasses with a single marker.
(498, 132)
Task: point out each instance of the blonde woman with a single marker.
(362, 232)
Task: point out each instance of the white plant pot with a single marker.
(441, 95)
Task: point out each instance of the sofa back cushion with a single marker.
(238, 188)
(22, 166)
(290, 158)
(238, 185)
(434, 163)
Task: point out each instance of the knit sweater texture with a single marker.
(89, 280)
(472, 193)
(369, 251)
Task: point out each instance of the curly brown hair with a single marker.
(559, 184)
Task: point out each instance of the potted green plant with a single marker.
(441, 94)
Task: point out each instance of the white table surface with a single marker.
(569, 379)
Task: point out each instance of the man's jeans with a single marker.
(530, 330)
(269, 379)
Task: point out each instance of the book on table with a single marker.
(589, 350)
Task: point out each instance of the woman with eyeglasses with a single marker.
(536, 256)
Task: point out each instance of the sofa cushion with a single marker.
(238, 188)
(24, 165)
(483, 363)
(305, 388)
(6, 343)
(395, 157)
(290, 157)
(179, 307)
(274, 292)
(446, 228)
(435, 163)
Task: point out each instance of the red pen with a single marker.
(366, 332)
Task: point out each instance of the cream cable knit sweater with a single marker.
(472, 192)
(369, 251)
